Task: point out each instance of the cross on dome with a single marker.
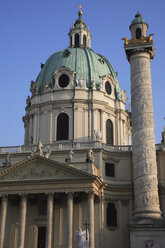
(80, 10)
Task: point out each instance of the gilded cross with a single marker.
(80, 7)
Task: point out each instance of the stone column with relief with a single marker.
(140, 51)
(144, 152)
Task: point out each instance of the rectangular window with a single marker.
(41, 237)
(111, 215)
(109, 170)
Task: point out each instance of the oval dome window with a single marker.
(63, 81)
(108, 88)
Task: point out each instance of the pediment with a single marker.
(39, 168)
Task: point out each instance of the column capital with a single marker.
(70, 194)
(50, 194)
(23, 195)
(90, 194)
(4, 197)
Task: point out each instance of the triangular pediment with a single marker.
(39, 168)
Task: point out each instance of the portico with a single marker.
(61, 199)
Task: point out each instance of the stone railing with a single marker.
(65, 146)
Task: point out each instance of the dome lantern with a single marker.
(138, 27)
(79, 35)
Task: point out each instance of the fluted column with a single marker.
(143, 145)
(91, 219)
(69, 220)
(49, 223)
(22, 224)
(4, 201)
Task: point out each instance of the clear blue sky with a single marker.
(32, 30)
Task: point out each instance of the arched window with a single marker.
(109, 132)
(63, 127)
(77, 40)
(138, 33)
(111, 215)
(84, 40)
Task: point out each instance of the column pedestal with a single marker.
(4, 201)
(148, 234)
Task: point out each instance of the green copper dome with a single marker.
(79, 22)
(138, 19)
(87, 65)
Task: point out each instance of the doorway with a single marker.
(41, 237)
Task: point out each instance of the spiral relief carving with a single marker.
(144, 154)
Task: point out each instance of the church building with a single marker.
(89, 173)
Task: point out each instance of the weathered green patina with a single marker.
(87, 65)
(138, 19)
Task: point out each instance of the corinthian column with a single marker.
(144, 153)
(4, 201)
(91, 219)
(69, 219)
(49, 223)
(22, 224)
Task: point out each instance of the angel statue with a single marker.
(82, 238)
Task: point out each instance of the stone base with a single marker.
(147, 234)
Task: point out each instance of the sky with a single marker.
(30, 31)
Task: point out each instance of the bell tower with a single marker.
(79, 35)
(139, 51)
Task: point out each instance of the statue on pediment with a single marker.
(7, 161)
(70, 156)
(37, 149)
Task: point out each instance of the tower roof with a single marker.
(138, 19)
(79, 22)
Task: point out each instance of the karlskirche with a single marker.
(89, 173)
